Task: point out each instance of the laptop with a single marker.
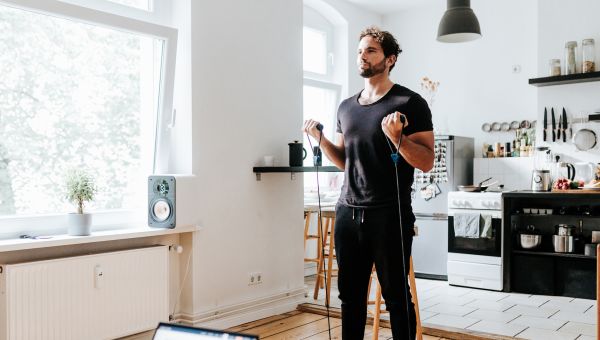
(167, 331)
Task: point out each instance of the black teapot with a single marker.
(297, 153)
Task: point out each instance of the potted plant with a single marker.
(80, 188)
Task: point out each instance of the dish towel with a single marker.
(466, 225)
(486, 226)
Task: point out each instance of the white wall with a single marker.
(477, 84)
(247, 102)
(559, 22)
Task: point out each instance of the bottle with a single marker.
(588, 56)
(570, 61)
(554, 67)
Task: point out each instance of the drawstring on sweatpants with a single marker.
(362, 218)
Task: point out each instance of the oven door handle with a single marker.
(434, 217)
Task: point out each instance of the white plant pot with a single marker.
(79, 224)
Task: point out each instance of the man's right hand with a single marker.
(310, 127)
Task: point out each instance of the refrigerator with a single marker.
(453, 166)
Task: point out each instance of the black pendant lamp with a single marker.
(459, 23)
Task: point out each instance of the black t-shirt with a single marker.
(369, 170)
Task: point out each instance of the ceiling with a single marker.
(388, 6)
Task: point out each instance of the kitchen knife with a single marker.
(553, 125)
(564, 124)
(559, 130)
(545, 123)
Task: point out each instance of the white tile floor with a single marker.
(510, 314)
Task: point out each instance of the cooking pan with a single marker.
(475, 188)
(585, 139)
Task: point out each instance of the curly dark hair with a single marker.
(385, 39)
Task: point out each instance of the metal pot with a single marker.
(528, 241)
(562, 244)
(565, 230)
(590, 249)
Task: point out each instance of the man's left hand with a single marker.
(392, 126)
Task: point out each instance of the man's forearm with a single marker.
(417, 155)
(335, 153)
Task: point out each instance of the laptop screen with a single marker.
(166, 331)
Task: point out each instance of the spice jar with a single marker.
(570, 62)
(588, 56)
(554, 67)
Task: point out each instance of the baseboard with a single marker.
(431, 276)
(229, 316)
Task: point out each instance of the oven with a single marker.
(475, 257)
(484, 246)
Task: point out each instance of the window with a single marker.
(321, 95)
(79, 94)
(314, 51)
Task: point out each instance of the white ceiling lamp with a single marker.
(459, 23)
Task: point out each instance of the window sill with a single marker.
(98, 236)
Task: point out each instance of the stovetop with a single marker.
(487, 200)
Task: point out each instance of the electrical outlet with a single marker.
(259, 277)
(254, 278)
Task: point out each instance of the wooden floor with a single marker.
(301, 325)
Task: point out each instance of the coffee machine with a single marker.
(540, 178)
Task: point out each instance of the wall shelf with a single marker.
(258, 170)
(565, 79)
(551, 254)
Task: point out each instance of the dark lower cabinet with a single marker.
(575, 278)
(532, 275)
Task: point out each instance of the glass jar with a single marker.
(554, 67)
(570, 62)
(542, 158)
(588, 56)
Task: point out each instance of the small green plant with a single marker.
(80, 188)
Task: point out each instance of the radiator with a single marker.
(100, 296)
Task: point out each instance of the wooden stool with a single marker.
(308, 211)
(379, 301)
(327, 221)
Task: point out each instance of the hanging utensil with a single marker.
(585, 139)
(545, 124)
(565, 124)
(553, 126)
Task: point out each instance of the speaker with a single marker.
(170, 200)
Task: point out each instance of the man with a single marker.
(376, 192)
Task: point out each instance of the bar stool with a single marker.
(327, 219)
(308, 211)
(379, 300)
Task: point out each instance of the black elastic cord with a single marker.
(320, 223)
(395, 158)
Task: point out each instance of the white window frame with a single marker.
(330, 86)
(13, 226)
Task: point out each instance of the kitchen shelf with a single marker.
(258, 170)
(565, 79)
(551, 254)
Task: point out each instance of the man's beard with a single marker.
(373, 70)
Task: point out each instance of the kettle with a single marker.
(297, 153)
